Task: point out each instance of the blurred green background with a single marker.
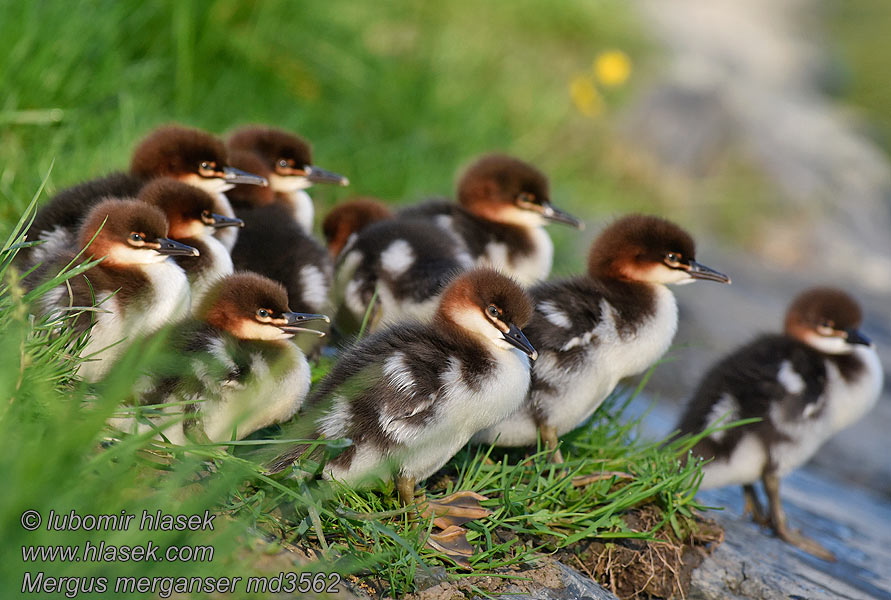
(397, 95)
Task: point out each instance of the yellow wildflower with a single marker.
(585, 96)
(612, 68)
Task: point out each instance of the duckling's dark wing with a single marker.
(434, 261)
(273, 244)
(57, 221)
(361, 369)
(774, 378)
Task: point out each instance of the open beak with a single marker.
(700, 271)
(170, 247)
(515, 337)
(294, 320)
(221, 221)
(855, 337)
(555, 215)
(320, 175)
(233, 175)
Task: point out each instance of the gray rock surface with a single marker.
(854, 525)
(576, 586)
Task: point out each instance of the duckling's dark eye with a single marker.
(283, 163)
(207, 217)
(673, 259)
(264, 314)
(527, 198)
(493, 311)
(136, 239)
(207, 168)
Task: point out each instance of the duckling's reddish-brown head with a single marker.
(190, 155)
(129, 233)
(189, 210)
(827, 319)
(647, 249)
(252, 307)
(287, 157)
(351, 217)
(504, 189)
(486, 305)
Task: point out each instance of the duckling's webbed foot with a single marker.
(455, 509)
(780, 526)
(453, 543)
(810, 546)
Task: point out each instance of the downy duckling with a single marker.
(818, 377)
(593, 330)
(411, 395)
(239, 370)
(504, 204)
(137, 287)
(288, 159)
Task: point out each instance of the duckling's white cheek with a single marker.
(129, 255)
(252, 330)
(211, 185)
(288, 183)
(829, 344)
(659, 273)
(522, 217)
(471, 319)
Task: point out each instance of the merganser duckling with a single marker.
(291, 170)
(410, 396)
(137, 287)
(348, 218)
(189, 155)
(596, 329)
(191, 219)
(275, 245)
(504, 205)
(818, 377)
(239, 372)
(406, 262)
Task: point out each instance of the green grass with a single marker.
(396, 96)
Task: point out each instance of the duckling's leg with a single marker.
(548, 435)
(753, 506)
(778, 520)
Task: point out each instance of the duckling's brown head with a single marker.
(128, 233)
(487, 305)
(189, 210)
(647, 249)
(351, 217)
(827, 319)
(507, 190)
(253, 307)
